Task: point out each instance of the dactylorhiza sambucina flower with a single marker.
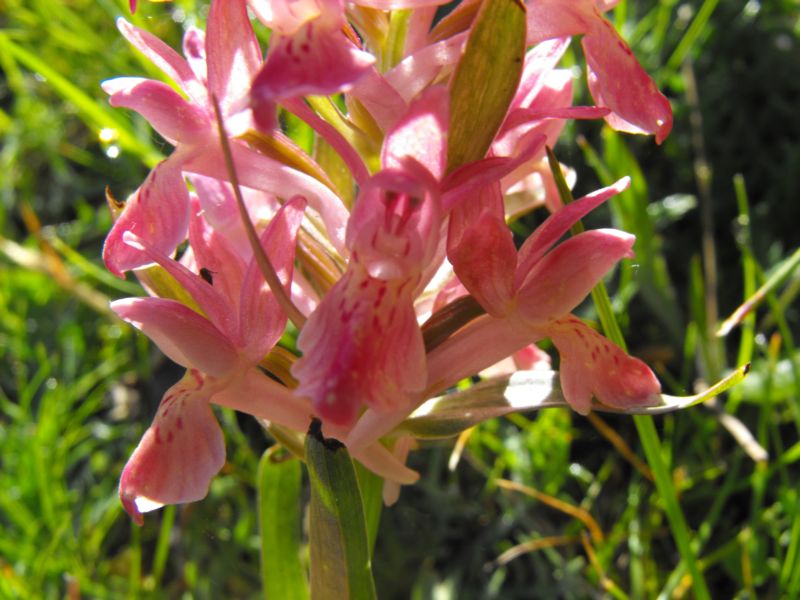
(377, 234)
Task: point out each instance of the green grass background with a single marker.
(716, 213)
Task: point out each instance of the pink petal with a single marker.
(566, 275)
(381, 99)
(416, 72)
(162, 56)
(461, 183)
(315, 60)
(194, 49)
(531, 357)
(234, 55)
(158, 213)
(261, 320)
(381, 461)
(263, 173)
(167, 111)
(183, 335)
(256, 394)
(391, 489)
(549, 19)
(480, 344)
(216, 257)
(361, 347)
(539, 63)
(421, 134)
(287, 16)
(592, 365)
(618, 81)
(216, 306)
(395, 225)
(348, 154)
(399, 4)
(549, 232)
(482, 251)
(178, 455)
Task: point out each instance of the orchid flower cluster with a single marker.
(385, 241)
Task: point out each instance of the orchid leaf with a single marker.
(279, 504)
(340, 557)
(485, 80)
(447, 416)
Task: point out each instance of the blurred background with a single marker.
(715, 210)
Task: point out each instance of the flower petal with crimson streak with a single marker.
(157, 213)
(592, 365)
(179, 453)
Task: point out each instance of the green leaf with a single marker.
(340, 557)
(449, 415)
(485, 80)
(279, 488)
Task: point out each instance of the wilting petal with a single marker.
(313, 61)
(158, 213)
(592, 365)
(549, 232)
(182, 334)
(178, 454)
(566, 275)
(233, 52)
(361, 347)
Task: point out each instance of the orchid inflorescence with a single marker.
(385, 241)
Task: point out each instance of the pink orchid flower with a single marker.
(236, 321)
(220, 63)
(529, 294)
(363, 346)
